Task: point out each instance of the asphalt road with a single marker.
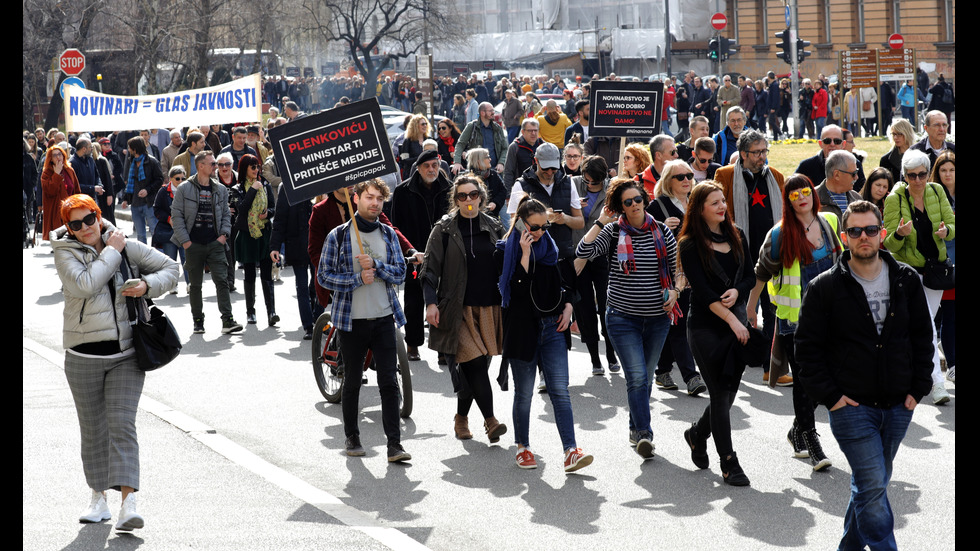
(240, 451)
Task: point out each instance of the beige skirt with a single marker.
(480, 334)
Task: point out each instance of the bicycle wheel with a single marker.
(327, 366)
(405, 375)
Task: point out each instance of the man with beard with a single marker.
(365, 309)
(754, 193)
(581, 126)
(416, 205)
(552, 124)
(864, 345)
(486, 133)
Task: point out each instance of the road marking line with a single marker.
(208, 436)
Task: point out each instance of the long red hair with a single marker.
(793, 244)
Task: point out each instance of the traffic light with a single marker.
(727, 48)
(801, 54)
(714, 49)
(784, 45)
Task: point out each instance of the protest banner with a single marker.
(625, 109)
(233, 102)
(333, 149)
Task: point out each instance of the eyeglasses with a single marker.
(681, 177)
(855, 233)
(535, 227)
(178, 178)
(835, 141)
(638, 199)
(916, 175)
(90, 220)
(224, 164)
(759, 153)
(573, 156)
(462, 196)
(805, 192)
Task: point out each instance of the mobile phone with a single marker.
(557, 211)
(520, 226)
(130, 283)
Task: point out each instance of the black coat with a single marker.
(414, 211)
(292, 227)
(840, 351)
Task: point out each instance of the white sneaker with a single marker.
(951, 374)
(939, 394)
(97, 511)
(129, 519)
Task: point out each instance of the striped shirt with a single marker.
(336, 272)
(638, 293)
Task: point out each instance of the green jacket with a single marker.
(472, 137)
(444, 269)
(898, 206)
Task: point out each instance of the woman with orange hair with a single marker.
(58, 181)
(801, 246)
(100, 358)
(636, 159)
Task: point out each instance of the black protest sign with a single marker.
(336, 148)
(625, 109)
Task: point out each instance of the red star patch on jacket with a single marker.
(758, 198)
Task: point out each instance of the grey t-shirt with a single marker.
(878, 294)
(370, 301)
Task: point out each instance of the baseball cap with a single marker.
(548, 156)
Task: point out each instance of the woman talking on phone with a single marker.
(100, 361)
(537, 310)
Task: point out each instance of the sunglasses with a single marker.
(629, 202)
(916, 175)
(794, 195)
(704, 161)
(549, 168)
(855, 233)
(536, 227)
(224, 164)
(90, 220)
(681, 177)
(462, 196)
(835, 141)
(178, 178)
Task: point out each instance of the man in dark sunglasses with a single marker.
(831, 139)
(702, 162)
(864, 346)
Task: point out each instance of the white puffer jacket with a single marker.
(90, 315)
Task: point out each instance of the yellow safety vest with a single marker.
(787, 292)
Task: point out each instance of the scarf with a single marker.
(450, 143)
(363, 225)
(259, 205)
(627, 261)
(543, 251)
(135, 173)
(740, 196)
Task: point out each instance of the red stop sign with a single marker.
(719, 21)
(71, 62)
(896, 41)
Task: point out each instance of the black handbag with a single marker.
(937, 275)
(154, 337)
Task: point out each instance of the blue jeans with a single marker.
(552, 357)
(512, 133)
(638, 341)
(819, 122)
(869, 438)
(142, 216)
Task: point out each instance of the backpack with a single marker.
(948, 94)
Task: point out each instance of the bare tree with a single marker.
(396, 29)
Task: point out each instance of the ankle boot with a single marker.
(494, 429)
(817, 458)
(462, 428)
(269, 295)
(699, 447)
(732, 472)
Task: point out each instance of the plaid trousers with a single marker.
(107, 392)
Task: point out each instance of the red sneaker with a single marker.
(575, 460)
(525, 460)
